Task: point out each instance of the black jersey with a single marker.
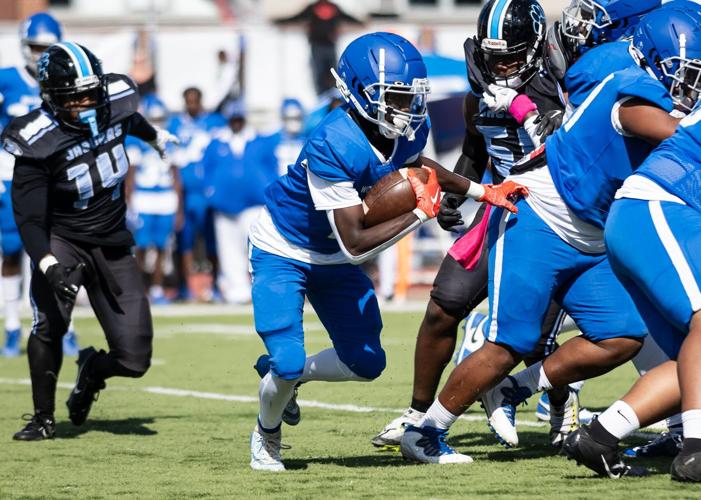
(68, 183)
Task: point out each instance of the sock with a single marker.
(534, 378)
(674, 424)
(577, 386)
(11, 294)
(420, 406)
(437, 416)
(156, 291)
(45, 360)
(325, 366)
(274, 394)
(619, 420)
(691, 420)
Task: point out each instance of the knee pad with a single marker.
(288, 363)
(134, 366)
(48, 329)
(365, 361)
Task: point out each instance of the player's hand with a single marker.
(499, 99)
(501, 195)
(548, 123)
(449, 216)
(65, 280)
(160, 143)
(428, 195)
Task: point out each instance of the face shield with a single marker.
(580, 19)
(686, 81)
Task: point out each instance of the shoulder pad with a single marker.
(123, 95)
(30, 136)
(636, 82)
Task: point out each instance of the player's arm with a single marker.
(157, 138)
(642, 119)
(30, 193)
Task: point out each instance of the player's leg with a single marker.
(11, 294)
(185, 242)
(163, 227)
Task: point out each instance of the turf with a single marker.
(140, 443)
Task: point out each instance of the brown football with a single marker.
(391, 197)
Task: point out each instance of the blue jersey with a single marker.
(595, 65)
(152, 174)
(20, 94)
(676, 163)
(589, 156)
(336, 151)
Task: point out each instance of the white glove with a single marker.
(499, 99)
(163, 138)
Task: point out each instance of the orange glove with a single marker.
(428, 195)
(501, 195)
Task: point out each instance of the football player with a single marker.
(68, 200)
(557, 236)
(312, 231)
(19, 94)
(652, 238)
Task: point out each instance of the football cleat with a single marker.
(265, 450)
(86, 389)
(666, 444)
(542, 411)
(564, 419)
(292, 414)
(499, 404)
(687, 467)
(602, 459)
(391, 435)
(13, 338)
(38, 428)
(70, 344)
(427, 445)
(473, 337)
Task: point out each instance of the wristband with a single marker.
(421, 215)
(48, 261)
(475, 191)
(521, 106)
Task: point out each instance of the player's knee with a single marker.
(621, 349)
(365, 361)
(48, 328)
(288, 364)
(445, 305)
(134, 366)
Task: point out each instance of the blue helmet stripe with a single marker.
(495, 16)
(80, 57)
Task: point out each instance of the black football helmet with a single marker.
(74, 88)
(509, 42)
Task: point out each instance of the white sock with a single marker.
(11, 294)
(156, 291)
(274, 394)
(534, 378)
(674, 424)
(71, 329)
(691, 419)
(437, 416)
(577, 386)
(325, 366)
(619, 419)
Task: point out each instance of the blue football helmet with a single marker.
(37, 33)
(383, 77)
(153, 109)
(292, 116)
(667, 43)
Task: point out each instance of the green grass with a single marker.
(144, 445)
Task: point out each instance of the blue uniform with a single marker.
(337, 153)
(20, 95)
(557, 234)
(653, 235)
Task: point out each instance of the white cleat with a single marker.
(265, 451)
(392, 434)
(499, 404)
(427, 445)
(564, 419)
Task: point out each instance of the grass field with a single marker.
(182, 431)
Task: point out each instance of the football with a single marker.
(391, 196)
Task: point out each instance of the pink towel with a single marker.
(468, 249)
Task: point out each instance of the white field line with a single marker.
(184, 393)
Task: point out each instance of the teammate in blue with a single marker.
(558, 237)
(652, 239)
(154, 194)
(194, 129)
(312, 229)
(19, 94)
(288, 141)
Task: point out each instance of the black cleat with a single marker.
(666, 444)
(602, 459)
(687, 467)
(38, 428)
(86, 388)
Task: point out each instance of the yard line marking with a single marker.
(168, 391)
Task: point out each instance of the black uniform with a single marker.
(68, 199)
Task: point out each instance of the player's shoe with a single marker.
(666, 444)
(602, 459)
(542, 411)
(687, 467)
(391, 435)
(86, 388)
(500, 404)
(37, 428)
(13, 338)
(70, 344)
(473, 336)
(564, 419)
(265, 451)
(427, 445)
(292, 414)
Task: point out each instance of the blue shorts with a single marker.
(10, 241)
(343, 298)
(655, 249)
(530, 265)
(154, 230)
(198, 220)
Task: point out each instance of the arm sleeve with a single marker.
(141, 128)
(30, 192)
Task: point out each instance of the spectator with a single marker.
(143, 68)
(239, 164)
(288, 141)
(323, 19)
(154, 194)
(194, 128)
